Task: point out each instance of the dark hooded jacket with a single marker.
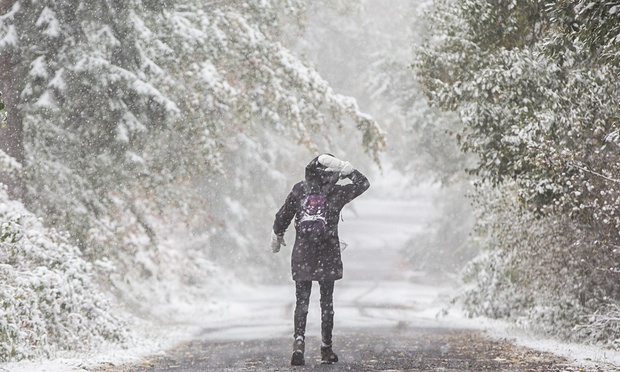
(321, 260)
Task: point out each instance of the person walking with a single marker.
(316, 204)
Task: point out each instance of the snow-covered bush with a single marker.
(543, 272)
(49, 299)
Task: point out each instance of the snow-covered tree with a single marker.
(533, 83)
(125, 103)
(132, 117)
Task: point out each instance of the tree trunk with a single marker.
(11, 135)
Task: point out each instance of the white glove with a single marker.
(336, 165)
(276, 241)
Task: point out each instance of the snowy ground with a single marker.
(378, 291)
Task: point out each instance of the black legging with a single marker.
(302, 292)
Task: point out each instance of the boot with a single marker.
(327, 355)
(298, 352)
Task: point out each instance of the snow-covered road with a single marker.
(376, 292)
(378, 288)
(379, 292)
(378, 295)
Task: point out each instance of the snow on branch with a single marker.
(584, 169)
(283, 87)
(9, 164)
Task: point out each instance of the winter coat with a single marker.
(311, 260)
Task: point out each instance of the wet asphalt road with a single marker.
(392, 349)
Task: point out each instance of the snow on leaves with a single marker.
(537, 93)
(48, 296)
(124, 104)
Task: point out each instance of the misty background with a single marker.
(148, 145)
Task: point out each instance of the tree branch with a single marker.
(594, 173)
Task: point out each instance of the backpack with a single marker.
(313, 221)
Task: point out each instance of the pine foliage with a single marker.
(124, 97)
